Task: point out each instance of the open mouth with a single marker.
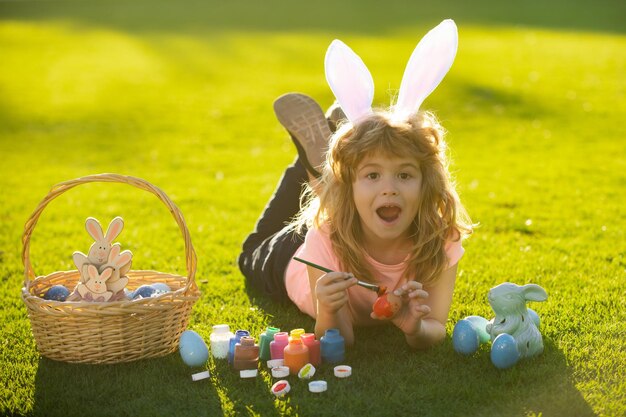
(388, 213)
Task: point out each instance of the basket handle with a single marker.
(57, 190)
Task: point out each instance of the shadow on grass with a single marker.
(160, 386)
(342, 17)
(391, 379)
(442, 382)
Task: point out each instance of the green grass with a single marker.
(180, 93)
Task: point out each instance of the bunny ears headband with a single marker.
(353, 86)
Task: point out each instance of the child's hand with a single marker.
(330, 290)
(409, 319)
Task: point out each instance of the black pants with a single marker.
(267, 251)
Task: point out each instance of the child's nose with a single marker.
(389, 189)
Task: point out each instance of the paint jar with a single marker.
(295, 334)
(333, 346)
(233, 341)
(264, 343)
(315, 352)
(220, 340)
(246, 354)
(296, 356)
(277, 347)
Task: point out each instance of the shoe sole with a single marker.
(335, 116)
(305, 121)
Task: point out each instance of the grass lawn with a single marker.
(180, 94)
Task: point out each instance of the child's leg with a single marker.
(268, 249)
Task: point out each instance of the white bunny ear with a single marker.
(115, 251)
(124, 258)
(106, 274)
(92, 271)
(350, 80)
(94, 229)
(429, 63)
(115, 228)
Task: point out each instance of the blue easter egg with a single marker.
(534, 316)
(161, 287)
(57, 293)
(465, 338)
(145, 291)
(479, 324)
(192, 348)
(504, 352)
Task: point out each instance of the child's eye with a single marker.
(404, 175)
(372, 175)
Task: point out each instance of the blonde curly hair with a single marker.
(441, 216)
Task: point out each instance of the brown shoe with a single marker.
(304, 120)
(335, 116)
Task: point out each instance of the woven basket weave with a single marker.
(111, 332)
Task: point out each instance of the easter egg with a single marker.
(160, 287)
(387, 305)
(479, 324)
(145, 291)
(504, 352)
(534, 316)
(57, 293)
(465, 339)
(192, 348)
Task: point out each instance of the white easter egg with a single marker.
(161, 287)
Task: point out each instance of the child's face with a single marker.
(386, 193)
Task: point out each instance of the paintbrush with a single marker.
(378, 289)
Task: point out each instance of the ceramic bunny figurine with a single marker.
(508, 301)
(95, 288)
(99, 250)
(119, 264)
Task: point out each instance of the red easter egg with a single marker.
(387, 305)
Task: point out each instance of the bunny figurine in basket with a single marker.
(103, 255)
(95, 289)
(514, 331)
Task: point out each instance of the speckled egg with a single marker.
(145, 291)
(192, 348)
(56, 293)
(504, 352)
(161, 288)
(465, 339)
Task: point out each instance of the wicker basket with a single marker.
(112, 332)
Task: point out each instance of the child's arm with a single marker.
(423, 320)
(330, 299)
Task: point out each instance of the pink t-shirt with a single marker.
(317, 248)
